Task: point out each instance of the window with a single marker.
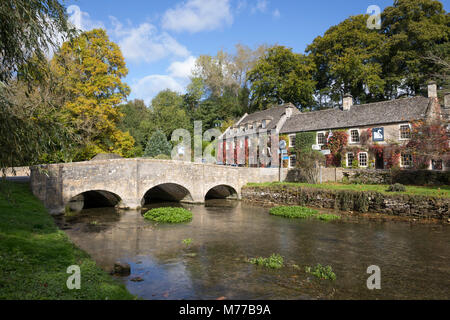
(405, 132)
(362, 159)
(292, 141)
(321, 138)
(350, 158)
(406, 160)
(354, 136)
(264, 124)
(292, 161)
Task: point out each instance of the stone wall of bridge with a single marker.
(131, 179)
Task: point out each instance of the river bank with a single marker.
(35, 254)
(419, 203)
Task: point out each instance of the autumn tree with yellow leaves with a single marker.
(91, 68)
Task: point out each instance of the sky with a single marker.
(160, 40)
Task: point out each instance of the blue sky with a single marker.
(161, 39)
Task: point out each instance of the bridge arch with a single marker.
(222, 191)
(93, 199)
(172, 192)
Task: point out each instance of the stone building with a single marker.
(240, 144)
(373, 126)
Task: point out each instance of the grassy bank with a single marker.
(35, 254)
(441, 192)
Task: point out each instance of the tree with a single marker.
(158, 145)
(429, 141)
(167, 113)
(92, 67)
(348, 60)
(281, 76)
(28, 29)
(413, 28)
(30, 119)
(136, 120)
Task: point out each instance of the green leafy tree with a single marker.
(136, 120)
(414, 28)
(348, 60)
(158, 145)
(282, 76)
(168, 113)
(27, 33)
(30, 119)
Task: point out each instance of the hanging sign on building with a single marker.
(378, 134)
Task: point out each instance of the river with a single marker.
(414, 258)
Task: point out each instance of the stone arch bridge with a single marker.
(131, 182)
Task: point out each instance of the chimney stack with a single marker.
(347, 102)
(447, 100)
(432, 89)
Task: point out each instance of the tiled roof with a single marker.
(393, 111)
(273, 114)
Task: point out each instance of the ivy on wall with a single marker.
(304, 141)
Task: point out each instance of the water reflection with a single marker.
(414, 259)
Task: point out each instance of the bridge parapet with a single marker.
(130, 179)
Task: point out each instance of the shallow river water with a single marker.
(414, 259)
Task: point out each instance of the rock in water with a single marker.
(121, 268)
(136, 279)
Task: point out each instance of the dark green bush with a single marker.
(397, 187)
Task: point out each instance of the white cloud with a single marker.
(261, 6)
(276, 13)
(198, 15)
(145, 44)
(81, 20)
(182, 69)
(148, 87)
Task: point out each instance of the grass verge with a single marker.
(35, 254)
(169, 215)
(440, 192)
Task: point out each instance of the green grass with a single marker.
(327, 217)
(275, 261)
(35, 254)
(293, 212)
(187, 242)
(168, 215)
(322, 272)
(301, 212)
(441, 192)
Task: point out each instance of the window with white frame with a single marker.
(321, 140)
(406, 160)
(350, 158)
(354, 136)
(405, 132)
(292, 141)
(363, 159)
(292, 161)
